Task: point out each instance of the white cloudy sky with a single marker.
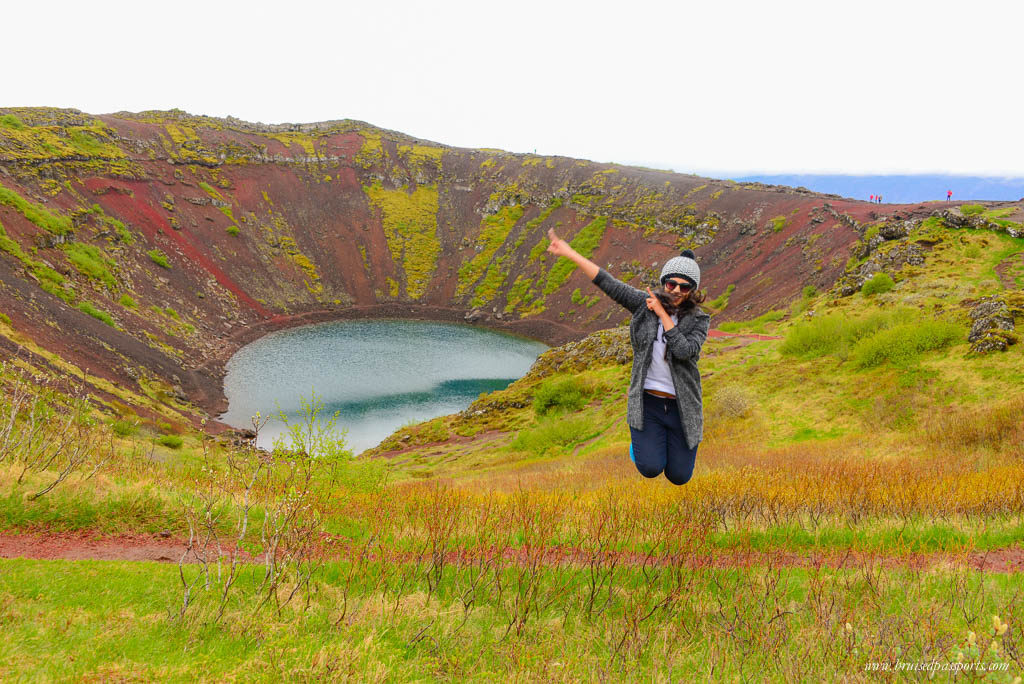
(705, 87)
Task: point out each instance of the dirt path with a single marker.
(74, 546)
(1009, 269)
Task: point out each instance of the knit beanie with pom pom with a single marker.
(683, 266)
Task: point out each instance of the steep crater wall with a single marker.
(144, 249)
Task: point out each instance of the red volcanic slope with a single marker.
(266, 227)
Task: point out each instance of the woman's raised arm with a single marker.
(560, 247)
(626, 295)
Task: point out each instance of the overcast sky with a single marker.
(718, 88)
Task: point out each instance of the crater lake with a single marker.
(377, 374)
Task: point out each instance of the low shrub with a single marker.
(877, 284)
(171, 441)
(562, 395)
(127, 301)
(124, 428)
(837, 334)
(233, 230)
(169, 429)
(555, 433)
(971, 209)
(905, 342)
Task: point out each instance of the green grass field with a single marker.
(116, 620)
(855, 473)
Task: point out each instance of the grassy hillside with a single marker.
(861, 477)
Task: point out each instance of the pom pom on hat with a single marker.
(683, 266)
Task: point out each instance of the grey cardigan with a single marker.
(683, 344)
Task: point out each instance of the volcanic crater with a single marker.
(141, 250)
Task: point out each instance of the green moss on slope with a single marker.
(585, 242)
(40, 216)
(91, 262)
(410, 225)
(494, 231)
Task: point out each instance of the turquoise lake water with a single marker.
(380, 374)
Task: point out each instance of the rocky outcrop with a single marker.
(955, 219)
(603, 348)
(992, 325)
(888, 261)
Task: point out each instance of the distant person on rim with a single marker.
(949, 195)
(664, 408)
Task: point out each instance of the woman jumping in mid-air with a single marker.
(664, 409)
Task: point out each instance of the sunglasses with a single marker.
(673, 284)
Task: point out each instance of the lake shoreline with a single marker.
(379, 373)
(210, 377)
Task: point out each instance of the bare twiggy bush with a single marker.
(731, 401)
(50, 433)
(291, 487)
(206, 506)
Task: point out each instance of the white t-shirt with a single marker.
(659, 377)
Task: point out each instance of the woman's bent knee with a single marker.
(677, 478)
(648, 471)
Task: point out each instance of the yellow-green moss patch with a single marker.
(410, 226)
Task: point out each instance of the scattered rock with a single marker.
(237, 437)
(897, 230)
(889, 261)
(992, 327)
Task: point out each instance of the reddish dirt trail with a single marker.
(75, 546)
(71, 546)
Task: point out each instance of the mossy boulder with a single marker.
(602, 348)
(992, 325)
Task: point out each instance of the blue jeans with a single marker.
(661, 446)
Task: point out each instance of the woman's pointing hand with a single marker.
(654, 304)
(558, 246)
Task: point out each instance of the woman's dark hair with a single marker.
(689, 304)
